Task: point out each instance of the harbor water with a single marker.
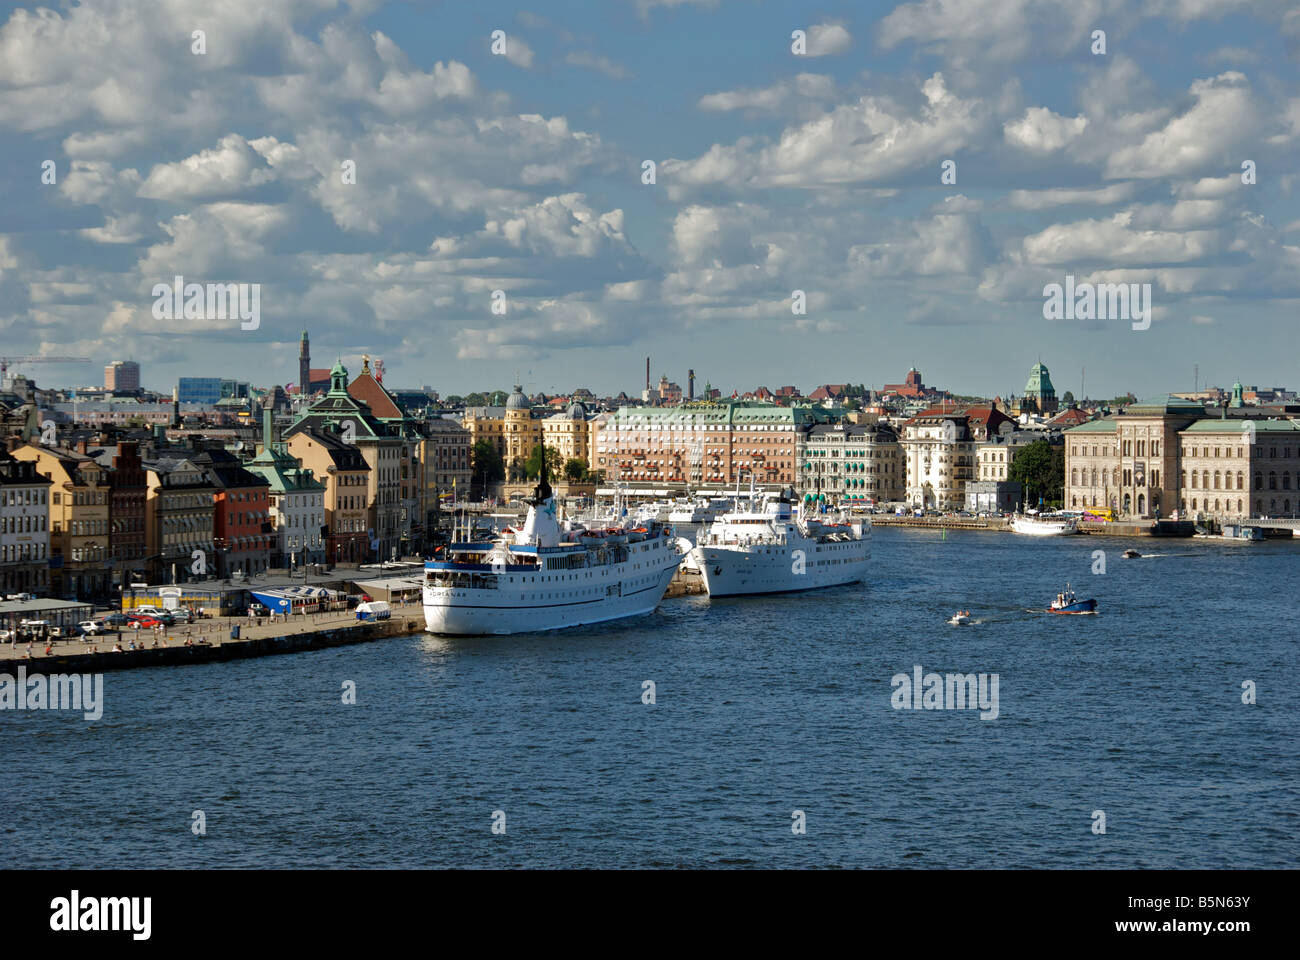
(762, 707)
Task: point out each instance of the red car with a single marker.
(144, 621)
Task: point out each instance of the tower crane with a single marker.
(6, 361)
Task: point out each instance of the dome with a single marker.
(517, 400)
(577, 411)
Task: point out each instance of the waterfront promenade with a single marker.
(209, 639)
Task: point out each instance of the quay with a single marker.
(945, 523)
(212, 641)
(685, 583)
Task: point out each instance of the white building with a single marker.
(24, 527)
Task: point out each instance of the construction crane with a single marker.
(5, 361)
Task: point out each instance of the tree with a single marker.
(1067, 398)
(1040, 467)
(576, 470)
(498, 398)
(486, 463)
(533, 465)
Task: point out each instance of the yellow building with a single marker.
(79, 501)
(346, 475)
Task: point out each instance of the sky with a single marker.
(380, 172)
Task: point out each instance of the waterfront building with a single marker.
(296, 500)
(1231, 471)
(418, 492)
(180, 517)
(122, 375)
(1168, 454)
(346, 475)
(512, 429)
(24, 526)
(841, 462)
(79, 518)
(569, 433)
(940, 452)
(703, 444)
(241, 520)
(128, 490)
(340, 415)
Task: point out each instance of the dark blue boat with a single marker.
(1067, 602)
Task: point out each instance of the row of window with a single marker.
(22, 498)
(33, 523)
(15, 552)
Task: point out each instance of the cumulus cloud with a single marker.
(868, 141)
(1042, 131)
(828, 39)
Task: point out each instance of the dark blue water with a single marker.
(765, 706)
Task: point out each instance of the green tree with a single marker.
(498, 398)
(1040, 467)
(533, 465)
(1067, 398)
(576, 470)
(486, 463)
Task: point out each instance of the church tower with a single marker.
(304, 366)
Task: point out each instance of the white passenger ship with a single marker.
(762, 548)
(545, 576)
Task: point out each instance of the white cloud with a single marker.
(582, 58)
(810, 86)
(1042, 131)
(1068, 196)
(1208, 134)
(828, 39)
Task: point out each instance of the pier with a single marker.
(211, 640)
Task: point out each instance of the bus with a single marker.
(1099, 514)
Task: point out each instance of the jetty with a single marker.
(209, 640)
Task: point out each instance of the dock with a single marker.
(211, 641)
(941, 523)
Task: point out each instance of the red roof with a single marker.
(371, 392)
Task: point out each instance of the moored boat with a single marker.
(546, 576)
(1043, 525)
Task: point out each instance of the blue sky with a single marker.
(775, 172)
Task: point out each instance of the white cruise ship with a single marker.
(545, 577)
(764, 549)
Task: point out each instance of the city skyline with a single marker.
(378, 181)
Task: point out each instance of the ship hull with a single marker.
(762, 569)
(540, 608)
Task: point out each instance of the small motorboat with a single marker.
(1131, 554)
(959, 618)
(1067, 602)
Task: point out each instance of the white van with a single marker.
(374, 610)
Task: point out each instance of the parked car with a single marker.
(116, 619)
(90, 626)
(5, 636)
(184, 615)
(145, 622)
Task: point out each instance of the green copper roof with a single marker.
(1093, 426)
(1040, 382)
(1237, 426)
